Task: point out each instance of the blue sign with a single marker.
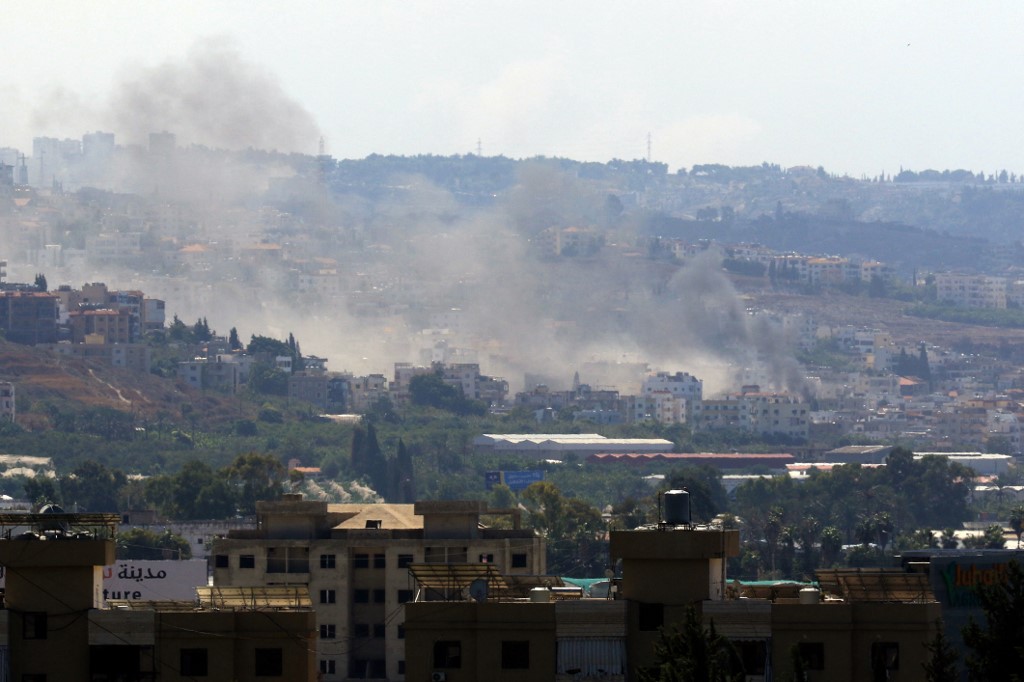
(515, 480)
(521, 480)
(492, 478)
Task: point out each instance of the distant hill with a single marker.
(43, 378)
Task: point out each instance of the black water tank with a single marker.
(677, 507)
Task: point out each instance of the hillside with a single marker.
(43, 379)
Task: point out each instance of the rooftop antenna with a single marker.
(648, 147)
(479, 147)
(320, 148)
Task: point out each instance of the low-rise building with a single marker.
(54, 626)
(857, 625)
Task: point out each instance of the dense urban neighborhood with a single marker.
(435, 417)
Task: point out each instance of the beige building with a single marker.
(971, 291)
(355, 560)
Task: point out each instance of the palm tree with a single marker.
(1017, 522)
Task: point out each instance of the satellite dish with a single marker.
(478, 590)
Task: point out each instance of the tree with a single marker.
(256, 477)
(941, 665)
(831, 546)
(201, 330)
(432, 390)
(233, 341)
(266, 379)
(142, 544)
(693, 653)
(92, 487)
(178, 331)
(40, 282)
(995, 649)
(1017, 522)
(40, 491)
(575, 530)
(992, 538)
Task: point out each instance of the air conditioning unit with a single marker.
(438, 676)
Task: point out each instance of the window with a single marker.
(327, 631)
(401, 667)
(448, 654)
(247, 561)
(327, 666)
(288, 560)
(404, 560)
(269, 662)
(360, 630)
(29, 677)
(327, 597)
(378, 630)
(753, 654)
(193, 662)
(378, 596)
(360, 596)
(327, 561)
(812, 654)
(650, 616)
(378, 669)
(405, 596)
(378, 561)
(518, 561)
(487, 558)
(220, 561)
(34, 625)
(358, 669)
(885, 657)
(361, 561)
(401, 631)
(515, 655)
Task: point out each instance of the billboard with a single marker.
(154, 580)
(515, 480)
(138, 580)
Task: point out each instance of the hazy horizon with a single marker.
(859, 88)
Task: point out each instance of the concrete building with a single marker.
(355, 560)
(28, 317)
(753, 410)
(862, 624)
(971, 291)
(365, 391)
(52, 626)
(136, 357)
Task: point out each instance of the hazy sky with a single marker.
(856, 86)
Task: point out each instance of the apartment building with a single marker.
(28, 317)
(971, 291)
(766, 413)
(355, 561)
